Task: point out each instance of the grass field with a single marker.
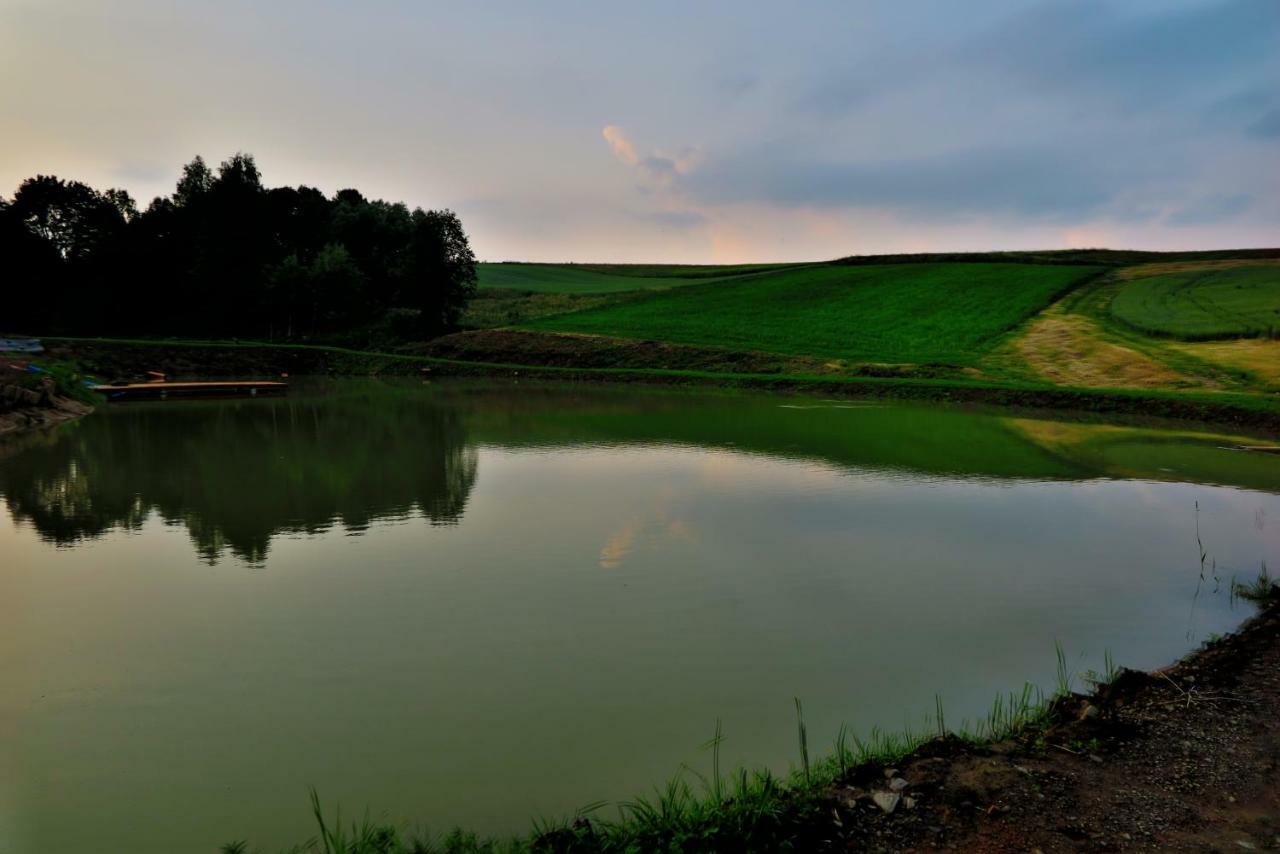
(948, 313)
(607, 278)
(1204, 304)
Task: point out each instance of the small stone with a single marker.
(1246, 845)
(1093, 757)
(890, 773)
(1090, 712)
(909, 803)
(887, 801)
(897, 784)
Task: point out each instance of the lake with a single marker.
(478, 602)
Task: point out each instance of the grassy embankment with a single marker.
(1178, 322)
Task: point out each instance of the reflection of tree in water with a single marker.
(239, 473)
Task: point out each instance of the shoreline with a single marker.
(25, 420)
(190, 359)
(27, 405)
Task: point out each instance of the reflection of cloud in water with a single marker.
(623, 542)
(620, 544)
(661, 522)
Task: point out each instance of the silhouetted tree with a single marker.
(440, 270)
(226, 256)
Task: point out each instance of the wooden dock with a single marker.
(124, 392)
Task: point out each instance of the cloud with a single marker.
(1268, 126)
(1144, 60)
(1029, 182)
(737, 84)
(658, 167)
(679, 220)
(1212, 209)
(620, 145)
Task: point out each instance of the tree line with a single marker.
(224, 256)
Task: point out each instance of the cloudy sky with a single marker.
(683, 131)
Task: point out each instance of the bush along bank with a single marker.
(1182, 759)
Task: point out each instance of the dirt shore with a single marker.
(1184, 759)
(30, 406)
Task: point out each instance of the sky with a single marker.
(697, 131)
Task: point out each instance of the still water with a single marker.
(477, 602)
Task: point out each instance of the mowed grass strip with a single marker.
(603, 278)
(915, 313)
(1206, 304)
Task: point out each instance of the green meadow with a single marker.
(606, 278)
(920, 313)
(1235, 302)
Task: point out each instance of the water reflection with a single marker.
(237, 474)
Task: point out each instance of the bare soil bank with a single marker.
(24, 406)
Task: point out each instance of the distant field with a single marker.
(606, 278)
(950, 313)
(1204, 304)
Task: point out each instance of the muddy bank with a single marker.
(30, 403)
(566, 350)
(1184, 759)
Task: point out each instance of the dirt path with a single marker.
(1069, 349)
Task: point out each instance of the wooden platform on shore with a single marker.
(183, 390)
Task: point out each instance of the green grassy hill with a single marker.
(1203, 304)
(946, 312)
(607, 278)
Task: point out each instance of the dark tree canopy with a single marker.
(225, 256)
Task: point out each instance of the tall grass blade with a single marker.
(804, 740)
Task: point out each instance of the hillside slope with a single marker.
(918, 313)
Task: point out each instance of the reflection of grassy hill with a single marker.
(891, 313)
(905, 438)
(923, 440)
(1158, 454)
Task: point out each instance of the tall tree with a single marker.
(226, 256)
(440, 270)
